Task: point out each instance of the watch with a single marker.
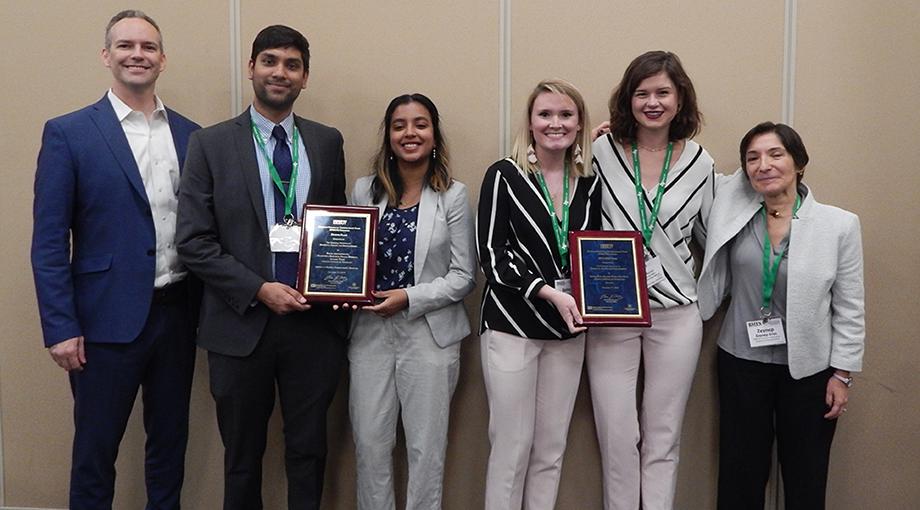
(845, 380)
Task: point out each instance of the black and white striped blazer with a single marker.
(689, 192)
(517, 249)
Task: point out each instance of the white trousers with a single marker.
(668, 352)
(531, 386)
(395, 363)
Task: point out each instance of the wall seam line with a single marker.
(2, 464)
(504, 78)
(787, 117)
(236, 73)
(789, 61)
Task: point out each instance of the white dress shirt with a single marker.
(152, 144)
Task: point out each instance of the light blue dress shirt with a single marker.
(302, 186)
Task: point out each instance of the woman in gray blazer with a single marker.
(794, 330)
(404, 351)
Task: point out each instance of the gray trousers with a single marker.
(396, 364)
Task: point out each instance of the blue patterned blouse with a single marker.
(396, 248)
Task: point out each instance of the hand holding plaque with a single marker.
(608, 278)
(337, 258)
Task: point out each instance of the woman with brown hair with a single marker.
(405, 350)
(660, 182)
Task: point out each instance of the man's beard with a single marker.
(282, 103)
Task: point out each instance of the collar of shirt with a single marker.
(266, 126)
(122, 110)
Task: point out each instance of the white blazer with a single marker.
(825, 300)
(445, 260)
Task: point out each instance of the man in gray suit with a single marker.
(243, 184)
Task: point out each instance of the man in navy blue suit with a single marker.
(117, 309)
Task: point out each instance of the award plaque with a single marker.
(337, 259)
(608, 278)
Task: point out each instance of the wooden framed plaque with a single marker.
(337, 254)
(608, 278)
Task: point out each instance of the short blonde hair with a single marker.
(524, 138)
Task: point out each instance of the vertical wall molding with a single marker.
(504, 78)
(774, 497)
(789, 61)
(236, 72)
(2, 473)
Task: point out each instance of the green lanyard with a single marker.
(562, 243)
(648, 221)
(771, 270)
(287, 193)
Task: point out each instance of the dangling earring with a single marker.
(391, 158)
(531, 155)
(434, 153)
(578, 159)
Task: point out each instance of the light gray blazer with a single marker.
(825, 302)
(445, 260)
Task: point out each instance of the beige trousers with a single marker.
(531, 386)
(668, 352)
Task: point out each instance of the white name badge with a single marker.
(764, 332)
(284, 238)
(654, 273)
(564, 285)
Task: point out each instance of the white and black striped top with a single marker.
(689, 191)
(517, 249)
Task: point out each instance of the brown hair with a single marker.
(130, 13)
(387, 180)
(687, 121)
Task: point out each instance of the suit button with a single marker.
(151, 252)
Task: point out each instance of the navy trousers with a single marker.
(160, 361)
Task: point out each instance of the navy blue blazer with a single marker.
(93, 239)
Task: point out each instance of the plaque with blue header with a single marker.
(337, 254)
(608, 278)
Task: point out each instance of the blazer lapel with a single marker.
(427, 209)
(104, 117)
(800, 239)
(180, 140)
(249, 167)
(309, 143)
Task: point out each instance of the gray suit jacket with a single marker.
(221, 232)
(445, 262)
(825, 304)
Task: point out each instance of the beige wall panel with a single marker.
(856, 104)
(363, 55)
(738, 80)
(737, 75)
(55, 48)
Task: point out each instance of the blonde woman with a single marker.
(532, 345)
